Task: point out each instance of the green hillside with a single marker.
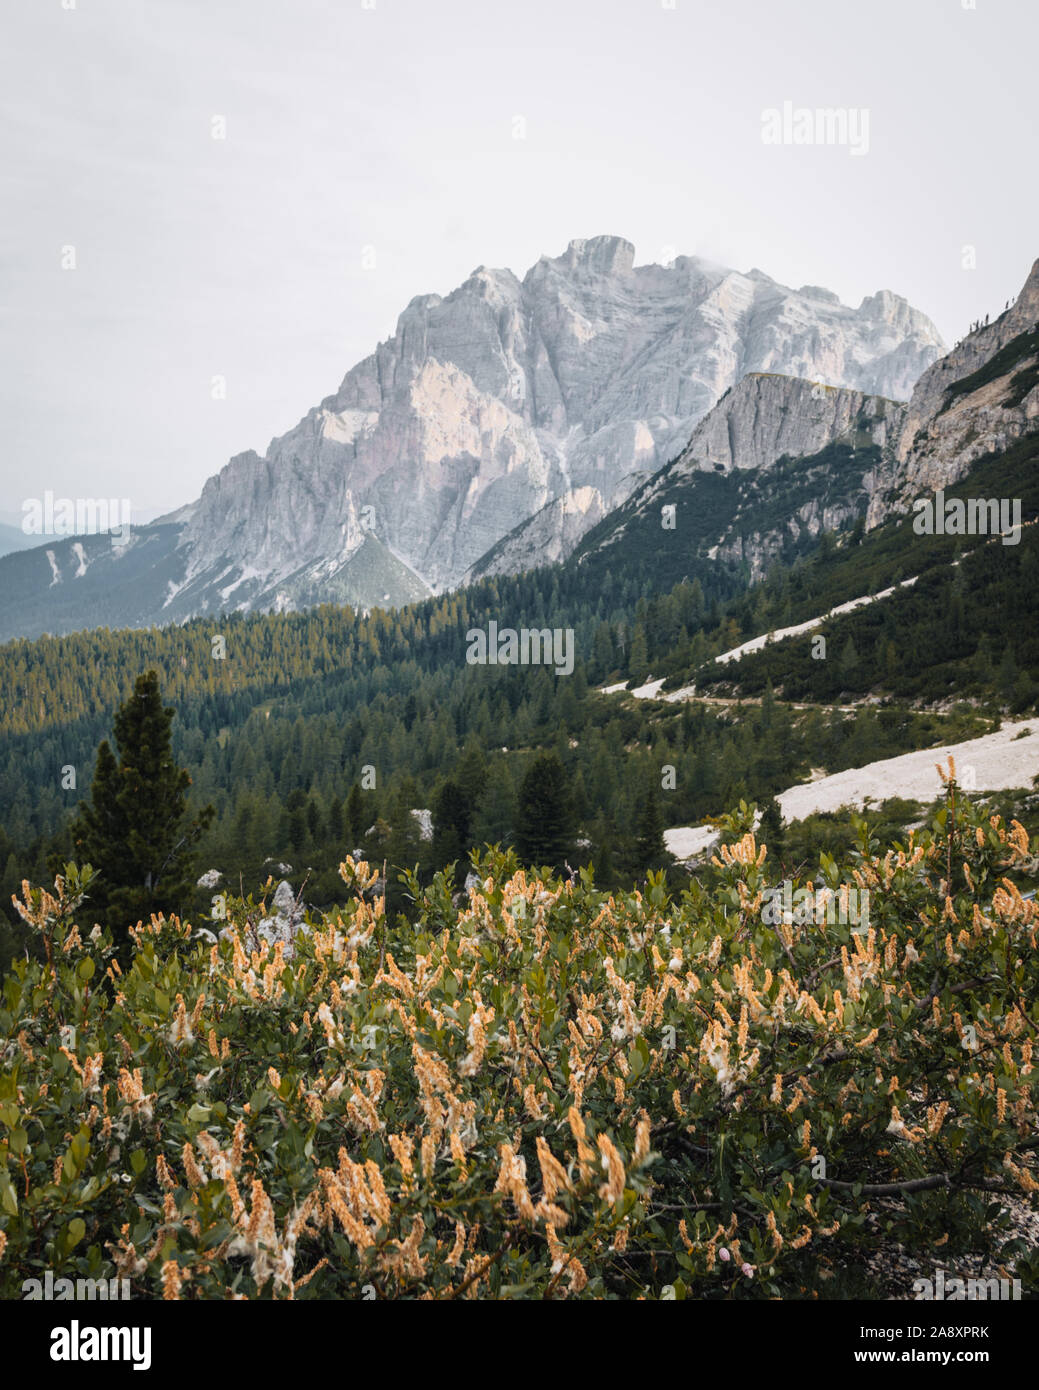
(965, 630)
(717, 510)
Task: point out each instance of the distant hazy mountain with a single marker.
(14, 538)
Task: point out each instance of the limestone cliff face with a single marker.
(945, 431)
(848, 454)
(800, 457)
(767, 416)
(509, 395)
(551, 535)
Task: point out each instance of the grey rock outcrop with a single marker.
(279, 927)
(768, 416)
(764, 419)
(942, 435)
(549, 536)
(979, 398)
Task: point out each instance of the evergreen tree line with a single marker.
(313, 733)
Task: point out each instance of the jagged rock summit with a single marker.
(560, 390)
(506, 395)
(797, 457)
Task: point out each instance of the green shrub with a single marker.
(552, 1092)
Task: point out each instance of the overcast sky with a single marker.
(389, 124)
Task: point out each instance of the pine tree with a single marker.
(471, 774)
(849, 662)
(1006, 677)
(336, 823)
(638, 668)
(650, 850)
(771, 827)
(605, 838)
(294, 828)
(404, 847)
(355, 817)
(495, 818)
(451, 824)
(603, 655)
(134, 829)
(544, 819)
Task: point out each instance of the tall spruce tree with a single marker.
(771, 828)
(452, 815)
(356, 822)
(650, 850)
(134, 829)
(336, 823)
(544, 819)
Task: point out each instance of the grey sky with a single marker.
(391, 127)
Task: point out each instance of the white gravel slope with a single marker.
(994, 762)
(991, 763)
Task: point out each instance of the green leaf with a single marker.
(77, 1229)
(8, 1196)
(90, 1189)
(138, 1161)
(85, 969)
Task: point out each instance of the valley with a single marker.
(744, 673)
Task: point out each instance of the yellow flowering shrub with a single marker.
(551, 1093)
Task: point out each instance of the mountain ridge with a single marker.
(486, 406)
(977, 401)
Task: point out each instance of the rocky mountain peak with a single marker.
(817, 292)
(488, 406)
(494, 401)
(1024, 312)
(766, 416)
(598, 255)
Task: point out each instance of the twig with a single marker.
(382, 934)
(811, 979)
(890, 1189)
(482, 1270)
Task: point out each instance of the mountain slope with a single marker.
(964, 629)
(485, 407)
(975, 400)
(14, 538)
(777, 461)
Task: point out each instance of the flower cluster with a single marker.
(526, 1097)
